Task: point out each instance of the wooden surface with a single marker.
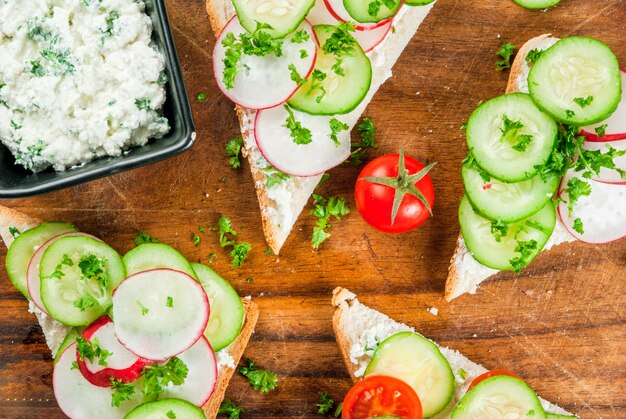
(560, 324)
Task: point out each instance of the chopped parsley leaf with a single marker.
(299, 134)
(578, 226)
(601, 130)
(533, 55)
(93, 267)
(526, 250)
(201, 97)
(121, 392)
(261, 380)
(325, 405)
(569, 113)
(239, 251)
(273, 176)
(341, 42)
(170, 414)
(91, 350)
(195, 239)
(576, 188)
(323, 211)
(300, 36)
(462, 373)
(14, 231)
(295, 76)
(505, 52)
(269, 251)
(367, 132)
(338, 410)
(317, 77)
(233, 151)
(85, 301)
(143, 104)
(499, 229)
(158, 376)
(523, 141)
(336, 126)
(337, 68)
(170, 302)
(230, 409)
(583, 102)
(303, 54)
(143, 238)
(144, 309)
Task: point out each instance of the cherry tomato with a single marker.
(490, 374)
(375, 201)
(379, 395)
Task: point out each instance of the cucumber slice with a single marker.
(166, 408)
(499, 397)
(512, 156)
(70, 338)
(65, 282)
(572, 71)
(418, 2)
(536, 4)
(557, 416)
(418, 362)
(227, 311)
(24, 247)
(508, 202)
(371, 11)
(335, 94)
(283, 16)
(150, 256)
(482, 244)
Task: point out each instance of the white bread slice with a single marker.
(55, 332)
(357, 326)
(282, 204)
(465, 273)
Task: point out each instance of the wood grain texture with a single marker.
(560, 324)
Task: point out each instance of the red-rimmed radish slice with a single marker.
(159, 313)
(368, 39)
(615, 125)
(121, 363)
(265, 82)
(603, 212)
(201, 378)
(33, 280)
(608, 175)
(275, 142)
(339, 12)
(78, 398)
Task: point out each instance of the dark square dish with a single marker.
(15, 181)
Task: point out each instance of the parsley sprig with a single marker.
(261, 380)
(336, 126)
(143, 238)
(158, 376)
(325, 406)
(233, 151)
(367, 132)
(506, 53)
(299, 134)
(227, 235)
(229, 408)
(273, 176)
(121, 392)
(325, 209)
(90, 350)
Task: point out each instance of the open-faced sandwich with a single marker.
(301, 73)
(547, 161)
(400, 373)
(140, 336)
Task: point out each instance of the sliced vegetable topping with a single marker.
(281, 16)
(155, 256)
(166, 408)
(614, 127)
(372, 11)
(577, 81)
(381, 396)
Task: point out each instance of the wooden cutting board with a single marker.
(560, 324)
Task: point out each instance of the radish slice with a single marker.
(265, 82)
(33, 279)
(608, 175)
(368, 39)
(78, 398)
(603, 212)
(339, 12)
(121, 363)
(615, 124)
(201, 378)
(275, 142)
(159, 313)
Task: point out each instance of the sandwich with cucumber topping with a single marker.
(400, 373)
(547, 161)
(145, 335)
(301, 73)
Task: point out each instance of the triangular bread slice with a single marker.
(282, 204)
(357, 326)
(465, 273)
(55, 332)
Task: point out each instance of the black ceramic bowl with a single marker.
(16, 181)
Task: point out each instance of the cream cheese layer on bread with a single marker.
(282, 204)
(465, 272)
(360, 329)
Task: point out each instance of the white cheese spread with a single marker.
(78, 80)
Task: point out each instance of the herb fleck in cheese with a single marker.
(79, 80)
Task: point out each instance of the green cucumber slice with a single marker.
(557, 416)
(418, 2)
(484, 247)
(514, 156)
(577, 81)
(70, 338)
(24, 246)
(156, 256)
(335, 94)
(66, 282)
(508, 202)
(536, 4)
(418, 362)
(371, 11)
(166, 408)
(227, 312)
(499, 397)
(283, 16)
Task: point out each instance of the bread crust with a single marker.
(342, 298)
(454, 284)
